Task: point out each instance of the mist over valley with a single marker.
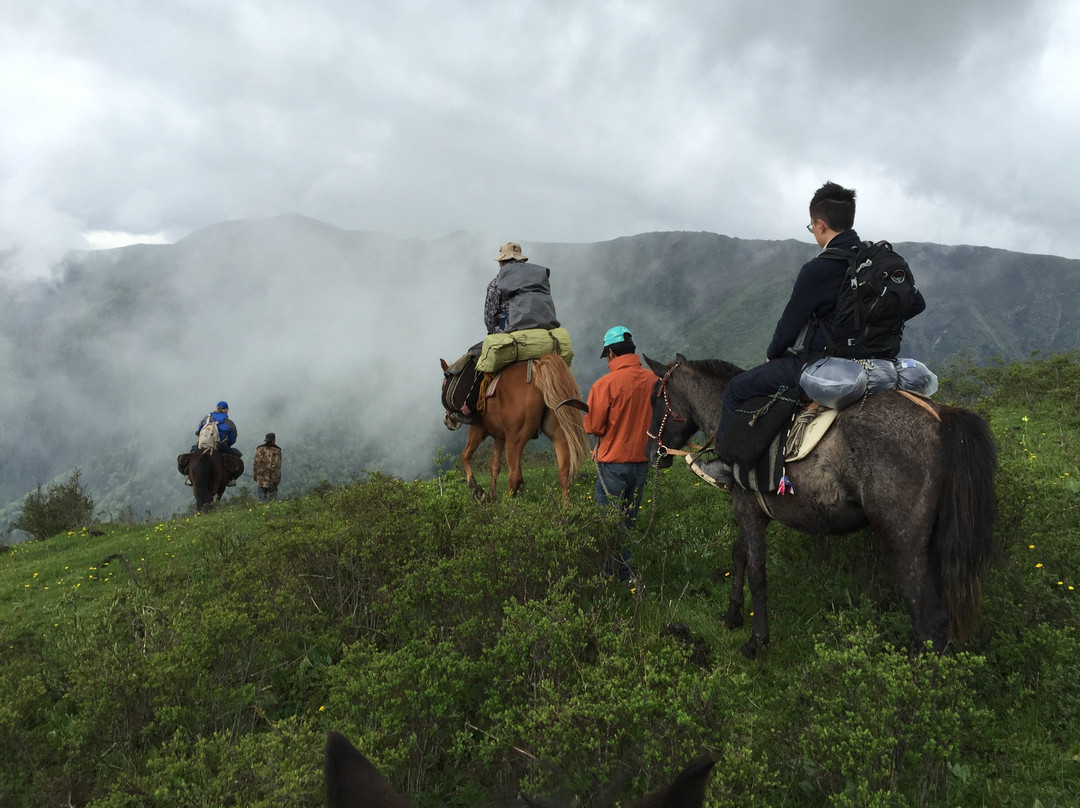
(331, 339)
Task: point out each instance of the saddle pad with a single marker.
(809, 428)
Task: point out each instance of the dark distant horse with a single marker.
(530, 396)
(209, 475)
(352, 781)
(925, 487)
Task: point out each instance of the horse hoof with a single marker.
(755, 646)
(733, 621)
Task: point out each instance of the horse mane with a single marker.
(716, 368)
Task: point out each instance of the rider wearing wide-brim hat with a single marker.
(519, 296)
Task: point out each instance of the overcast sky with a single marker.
(956, 121)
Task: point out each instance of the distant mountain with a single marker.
(331, 339)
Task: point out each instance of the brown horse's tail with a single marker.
(967, 511)
(558, 384)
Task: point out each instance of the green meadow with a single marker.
(476, 650)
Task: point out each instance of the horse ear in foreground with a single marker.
(353, 782)
(920, 476)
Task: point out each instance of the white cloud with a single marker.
(110, 239)
(552, 120)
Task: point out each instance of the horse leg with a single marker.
(752, 524)
(733, 617)
(910, 565)
(476, 436)
(554, 431)
(496, 467)
(515, 448)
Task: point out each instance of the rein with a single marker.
(661, 449)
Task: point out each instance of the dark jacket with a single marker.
(814, 296)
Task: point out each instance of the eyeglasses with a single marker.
(810, 227)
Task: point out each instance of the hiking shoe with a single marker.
(715, 472)
(231, 484)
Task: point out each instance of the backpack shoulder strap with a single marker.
(837, 252)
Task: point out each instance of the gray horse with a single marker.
(921, 477)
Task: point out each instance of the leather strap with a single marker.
(922, 402)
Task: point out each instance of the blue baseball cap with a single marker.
(223, 405)
(616, 335)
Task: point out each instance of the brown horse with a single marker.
(531, 396)
(352, 781)
(922, 481)
(210, 472)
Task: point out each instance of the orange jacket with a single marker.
(620, 408)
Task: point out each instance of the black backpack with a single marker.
(874, 301)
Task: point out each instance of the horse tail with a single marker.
(967, 511)
(558, 384)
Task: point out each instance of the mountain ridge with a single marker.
(330, 338)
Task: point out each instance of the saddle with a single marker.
(769, 432)
(233, 465)
(772, 431)
(461, 394)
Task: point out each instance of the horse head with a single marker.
(671, 425)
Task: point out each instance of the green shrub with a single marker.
(883, 725)
(63, 506)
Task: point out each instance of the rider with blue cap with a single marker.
(226, 429)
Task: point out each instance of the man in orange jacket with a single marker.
(620, 407)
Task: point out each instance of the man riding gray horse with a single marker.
(802, 334)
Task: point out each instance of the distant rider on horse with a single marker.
(226, 437)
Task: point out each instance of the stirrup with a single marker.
(722, 481)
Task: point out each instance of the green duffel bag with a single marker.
(500, 350)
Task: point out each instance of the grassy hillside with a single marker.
(474, 650)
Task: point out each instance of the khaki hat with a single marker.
(510, 252)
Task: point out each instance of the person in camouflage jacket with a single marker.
(267, 468)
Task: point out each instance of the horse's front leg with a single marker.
(475, 437)
(752, 525)
(733, 617)
(759, 601)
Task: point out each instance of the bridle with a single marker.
(661, 449)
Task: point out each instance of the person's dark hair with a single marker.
(835, 205)
(621, 348)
